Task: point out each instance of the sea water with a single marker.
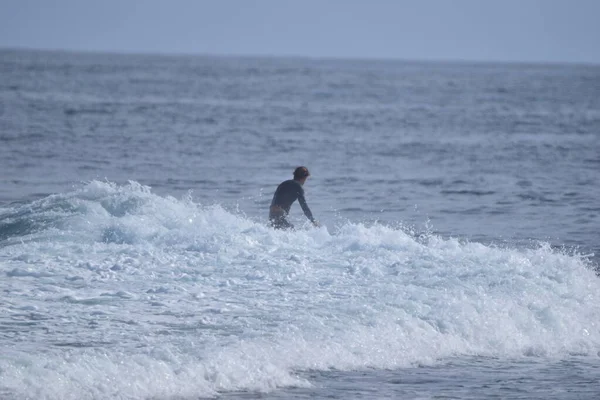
(457, 256)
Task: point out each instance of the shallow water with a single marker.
(474, 378)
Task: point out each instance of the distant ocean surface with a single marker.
(458, 257)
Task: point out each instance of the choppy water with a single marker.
(457, 259)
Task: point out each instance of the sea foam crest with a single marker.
(107, 212)
(166, 297)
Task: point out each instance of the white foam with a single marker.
(124, 294)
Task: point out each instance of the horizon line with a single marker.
(297, 56)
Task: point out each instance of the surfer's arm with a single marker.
(305, 208)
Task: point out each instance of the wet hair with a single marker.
(301, 172)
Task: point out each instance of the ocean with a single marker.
(458, 254)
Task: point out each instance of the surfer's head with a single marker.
(301, 173)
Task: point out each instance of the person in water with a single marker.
(287, 192)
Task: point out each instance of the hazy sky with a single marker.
(497, 30)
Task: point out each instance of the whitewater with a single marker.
(111, 291)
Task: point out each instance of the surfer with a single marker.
(287, 192)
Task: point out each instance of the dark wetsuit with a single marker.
(287, 192)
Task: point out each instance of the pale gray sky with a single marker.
(485, 30)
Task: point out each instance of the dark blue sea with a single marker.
(458, 256)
